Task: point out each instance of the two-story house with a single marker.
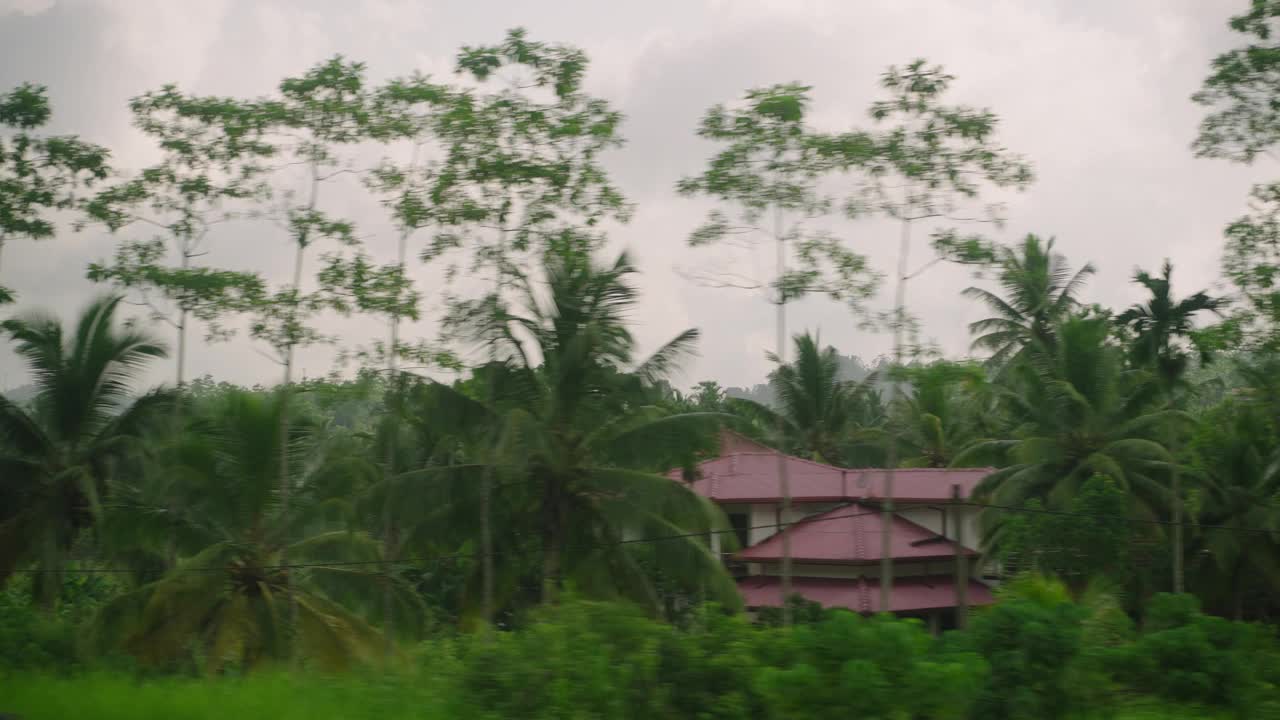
(835, 528)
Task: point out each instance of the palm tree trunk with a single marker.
(886, 519)
(1237, 593)
(486, 545)
(552, 541)
(784, 479)
(1175, 485)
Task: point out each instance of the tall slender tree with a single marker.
(317, 114)
(770, 170)
(403, 114)
(932, 164)
(214, 156)
(522, 171)
(39, 175)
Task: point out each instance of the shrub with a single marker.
(1185, 656)
(1030, 640)
(875, 667)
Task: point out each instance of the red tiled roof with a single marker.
(742, 477)
(850, 535)
(863, 594)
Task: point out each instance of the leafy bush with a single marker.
(1035, 654)
(578, 660)
(35, 639)
(1031, 639)
(1188, 657)
(870, 668)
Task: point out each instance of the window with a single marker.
(741, 524)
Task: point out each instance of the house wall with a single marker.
(929, 516)
(766, 516)
(852, 572)
(762, 517)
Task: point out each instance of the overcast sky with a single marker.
(1095, 93)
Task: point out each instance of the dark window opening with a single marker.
(741, 524)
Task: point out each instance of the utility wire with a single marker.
(462, 555)
(440, 559)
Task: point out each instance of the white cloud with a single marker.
(25, 7)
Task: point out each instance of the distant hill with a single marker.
(852, 369)
(20, 395)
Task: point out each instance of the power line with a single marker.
(439, 559)
(1100, 516)
(454, 556)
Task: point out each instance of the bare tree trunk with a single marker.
(286, 391)
(486, 483)
(886, 519)
(171, 546)
(552, 536)
(784, 478)
(395, 398)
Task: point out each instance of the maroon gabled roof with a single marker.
(863, 594)
(850, 535)
(745, 477)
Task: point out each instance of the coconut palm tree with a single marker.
(817, 410)
(937, 420)
(58, 454)
(1040, 289)
(230, 597)
(573, 441)
(1235, 451)
(1079, 413)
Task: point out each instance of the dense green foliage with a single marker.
(1037, 654)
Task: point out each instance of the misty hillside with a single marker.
(20, 395)
(852, 369)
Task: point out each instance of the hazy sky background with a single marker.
(1095, 93)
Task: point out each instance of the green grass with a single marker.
(269, 697)
(287, 697)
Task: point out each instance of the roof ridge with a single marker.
(920, 469)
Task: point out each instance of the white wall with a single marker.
(765, 517)
(928, 516)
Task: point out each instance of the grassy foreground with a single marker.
(274, 696)
(290, 697)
